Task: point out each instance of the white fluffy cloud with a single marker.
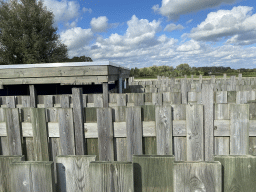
(237, 24)
(172, 27)
(189, 46)
(99, 24)
(174, 8)
(63, 10)
(76, 38)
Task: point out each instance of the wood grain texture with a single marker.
(180, 148)
(157, 98)
(78, 113)
(66, 129)
(64, 101)
(33, 96)
(207, 101)
(73, 173)
(149, 145)
(13, 129)
(194, 123)
(121, 99)
(48, 101)
(105, 134)
(221, 111)
(252, 145)
(25, 101)
(111, 176)
(184, 91)
(164, 130)
(32, 176)
(239, 129)
(239, 172)
(10, 102)
(222, 145)
(92, 148)
(197, 176)
(5, 171)
(120, 149)
(105, 94)
(134, 131)
(153, 172)
(28, 149)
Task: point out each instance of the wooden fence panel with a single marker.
(111, 176)
(105, 134)
(73, 173)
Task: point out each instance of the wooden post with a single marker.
(120, 85)
(164, 129)
(111, 176)
(13, 131)
(73, 173)
(64, 101)
(105, 134)
(105, 94)
(134, 131)
(157, 98)
(66, 130)
(48, 101)
(239, 172)
(153, 172)
(33, 96)
(195, 140)
(33, 176)
(77, 95)
(200, 79)
(239, 129)
(5, 171)
(197, 176)
(207, 101)
(40, 135)
(224, 76)
(184, 91)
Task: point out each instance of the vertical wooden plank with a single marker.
(252, 145)
(221, 97)
(5, 171)
(239, 172)
(111, 176)
(10, 102)
(153, 173)
(139, 99)
(13, 130)
(105, 94)
(40, 135)
(222, 145)
(48, 101)
(121, 99)
(32, 176)
(197, 176)
(207, 101)
(25, 101)
(33, 96)
(73, 173)
(149, 145)
(164, 130)
(239, 129)
(194, 125)
(98, 100)
(180, 148)
(54, 143)
(134, 131)
(28, 149)
(105, 134)
(184, 92)
(78, 120)
(157, 98)
(66, 129)
(64, 101)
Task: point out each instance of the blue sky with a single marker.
(142, 33)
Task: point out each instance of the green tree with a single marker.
(27, 34)
(183, 69)
(79, 59)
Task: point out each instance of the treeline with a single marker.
(185, 69)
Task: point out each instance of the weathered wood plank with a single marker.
(252, 145)
(40, 135)
(222, 145)
(197, 176)
(92, 147)
(13, 131)
(207, 101)
(105, 134)
(239, 172)
(5, 171)
(73, 173)
(33, 95)
(66, 129)
(64, 101)
(153, 172)
(28, 149)
(239, 129)
(105, 94)
(10, 102)
(111, 176)
(134, 131)
(48, 101)
(184, 91)
(194, 124)
(180, 148)
(78, 120)
(164, 130)
(32, 176)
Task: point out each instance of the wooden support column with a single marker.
(33, 96)
(120, 85)
(77, 95)
(105, 94)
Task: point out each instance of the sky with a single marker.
(143, 33)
